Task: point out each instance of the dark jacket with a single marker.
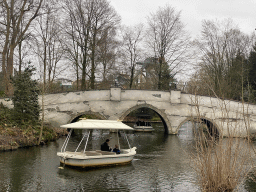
(105, 147)
(116, 150)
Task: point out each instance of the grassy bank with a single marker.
(13, 136)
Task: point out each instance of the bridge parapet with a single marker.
(175, 97)
(145, 95)
(74, 97)
(115, 94)
(173, 107)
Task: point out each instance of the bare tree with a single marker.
(24, 47)
(71, 44)
(13, 13)
(88, 20)
(104, 18)
(223, 51)
(23, 52)
(48, 42)
(167, 40)
(131, 48)
(78, 26)
(73, 52)
(46, 35)
(107, 53)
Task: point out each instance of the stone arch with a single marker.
(77, 116)
(162, 115)
(212, 126)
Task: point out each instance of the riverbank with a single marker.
(12, 138)
(14, 135)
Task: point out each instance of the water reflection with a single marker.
(107, 178)
(162, 163)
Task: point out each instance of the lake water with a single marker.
(162, 163)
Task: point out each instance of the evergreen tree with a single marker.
(235, 77)
(25, 98)
(164, 76)
(252, 68)
(251, 76)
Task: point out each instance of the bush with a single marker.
(25, 98)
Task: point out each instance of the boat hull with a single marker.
(95, 160)
(143, 128)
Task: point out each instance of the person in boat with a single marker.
(116, 149)
(105, 146)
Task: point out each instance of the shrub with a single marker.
(25, 98)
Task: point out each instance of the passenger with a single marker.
(105, 146)
(116, 149)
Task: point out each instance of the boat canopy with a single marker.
(97, 124)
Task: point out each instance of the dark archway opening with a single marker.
(212, 129)
(197, 127)
(146, 114)
(87, 116)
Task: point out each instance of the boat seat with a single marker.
(124, 152)
(108, 153)
(105, 152)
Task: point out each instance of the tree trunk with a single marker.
(132, 76)
(9, 73)
(160, 73)
(83, 84)
(43, 92)
(4, 70)
(93, 59)
(84, 51)
(20, 57)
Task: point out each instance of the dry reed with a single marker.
(221, 163)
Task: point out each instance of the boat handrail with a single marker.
(127, 140)
(66, 141)
(118, 140)
(80, 142)
(86, 142)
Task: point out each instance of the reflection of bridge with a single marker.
(174, 108)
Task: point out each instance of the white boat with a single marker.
(143, 126)
(98, 157)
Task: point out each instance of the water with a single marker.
(162, 163)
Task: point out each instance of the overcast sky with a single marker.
(242, 12)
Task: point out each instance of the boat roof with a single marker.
(97, 124)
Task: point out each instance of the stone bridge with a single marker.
(229, 118)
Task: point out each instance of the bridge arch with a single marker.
(211, 125)
(160, 113)
(74, 118)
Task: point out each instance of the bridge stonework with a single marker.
(174, 108)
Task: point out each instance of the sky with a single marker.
(193, 12)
